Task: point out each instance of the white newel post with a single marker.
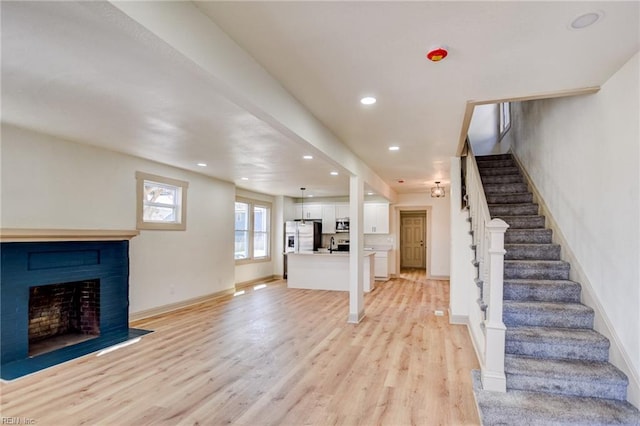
(493, 377)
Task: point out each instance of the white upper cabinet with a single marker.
(342, 210)
(328, 219)
(376, 218)
(308, 211)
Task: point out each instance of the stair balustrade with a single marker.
(488, 243)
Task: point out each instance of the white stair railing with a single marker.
(488, 243)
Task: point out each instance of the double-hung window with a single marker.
(162, 203)
(252, 230)
(504, 123)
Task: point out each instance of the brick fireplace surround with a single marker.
(57, 269)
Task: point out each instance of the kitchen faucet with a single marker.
(331, 245)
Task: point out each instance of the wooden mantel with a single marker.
(17, 235)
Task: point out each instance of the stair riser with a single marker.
(525, 197)
(554, 350)
(503, 171)
(566, 386)
(513, 210)
(538, 318)
(494, 157)
(540, 252)
(524, 222)
(506, 188)
(499, 179)
(493, 164)
(542, 293)
(540, 272)
(539, 236)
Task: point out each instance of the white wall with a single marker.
(51, 183)
(439, 232)
(582, 154)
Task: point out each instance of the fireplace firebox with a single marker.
(63, 314)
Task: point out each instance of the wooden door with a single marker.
(412, 241)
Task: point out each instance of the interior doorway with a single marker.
(413, 239)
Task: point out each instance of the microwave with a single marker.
(342, 225)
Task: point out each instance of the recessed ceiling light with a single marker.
(202, 164)
(308, 157)
(244, 178)
(368, 100)
(334, 173)
(394, 148)
(586, 20)
(369, 193)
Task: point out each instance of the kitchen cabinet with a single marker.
(381, 265)
(328, 219)
(310, 211)
(342, 210)
(376, 218)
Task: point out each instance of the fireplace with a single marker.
(63, 314)
(60, 300)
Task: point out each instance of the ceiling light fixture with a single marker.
(394, 148)
(244, 178)
(308, 157)
(334, 173)
(586, 20)
(368, 100)
(369, 193)
(202, 164)
(438, 191)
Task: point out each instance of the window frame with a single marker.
(504, 119)
(181, 206)
(251, 232)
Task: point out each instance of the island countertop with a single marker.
(326, 271)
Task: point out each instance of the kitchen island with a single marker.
(326, 271)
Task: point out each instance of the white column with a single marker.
(493, 377)
(356, 250)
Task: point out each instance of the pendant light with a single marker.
(438, 191)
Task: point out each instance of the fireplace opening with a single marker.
(63, 314)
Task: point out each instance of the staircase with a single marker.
(552, 354)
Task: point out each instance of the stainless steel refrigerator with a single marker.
(302, 236)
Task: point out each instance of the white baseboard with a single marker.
(136, 316)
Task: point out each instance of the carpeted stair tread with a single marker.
(493, 164)
(536, 269)
(494, 179)
(546, 314)
(526, 236)
(566, 377)
(517, 407)
(499, 171)
(493, 157)
(557, 343)
(523, 221)
(523, 197)
(532, 290)
(532, 252)
(505, 188)
(518, 209)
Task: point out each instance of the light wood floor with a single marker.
(274, 356)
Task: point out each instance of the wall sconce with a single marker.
(438, 191)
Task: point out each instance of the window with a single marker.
(505, 119)
(252, 230)
(162, 203)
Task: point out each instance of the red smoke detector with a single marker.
(437, 54)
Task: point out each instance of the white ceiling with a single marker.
(91, 73)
